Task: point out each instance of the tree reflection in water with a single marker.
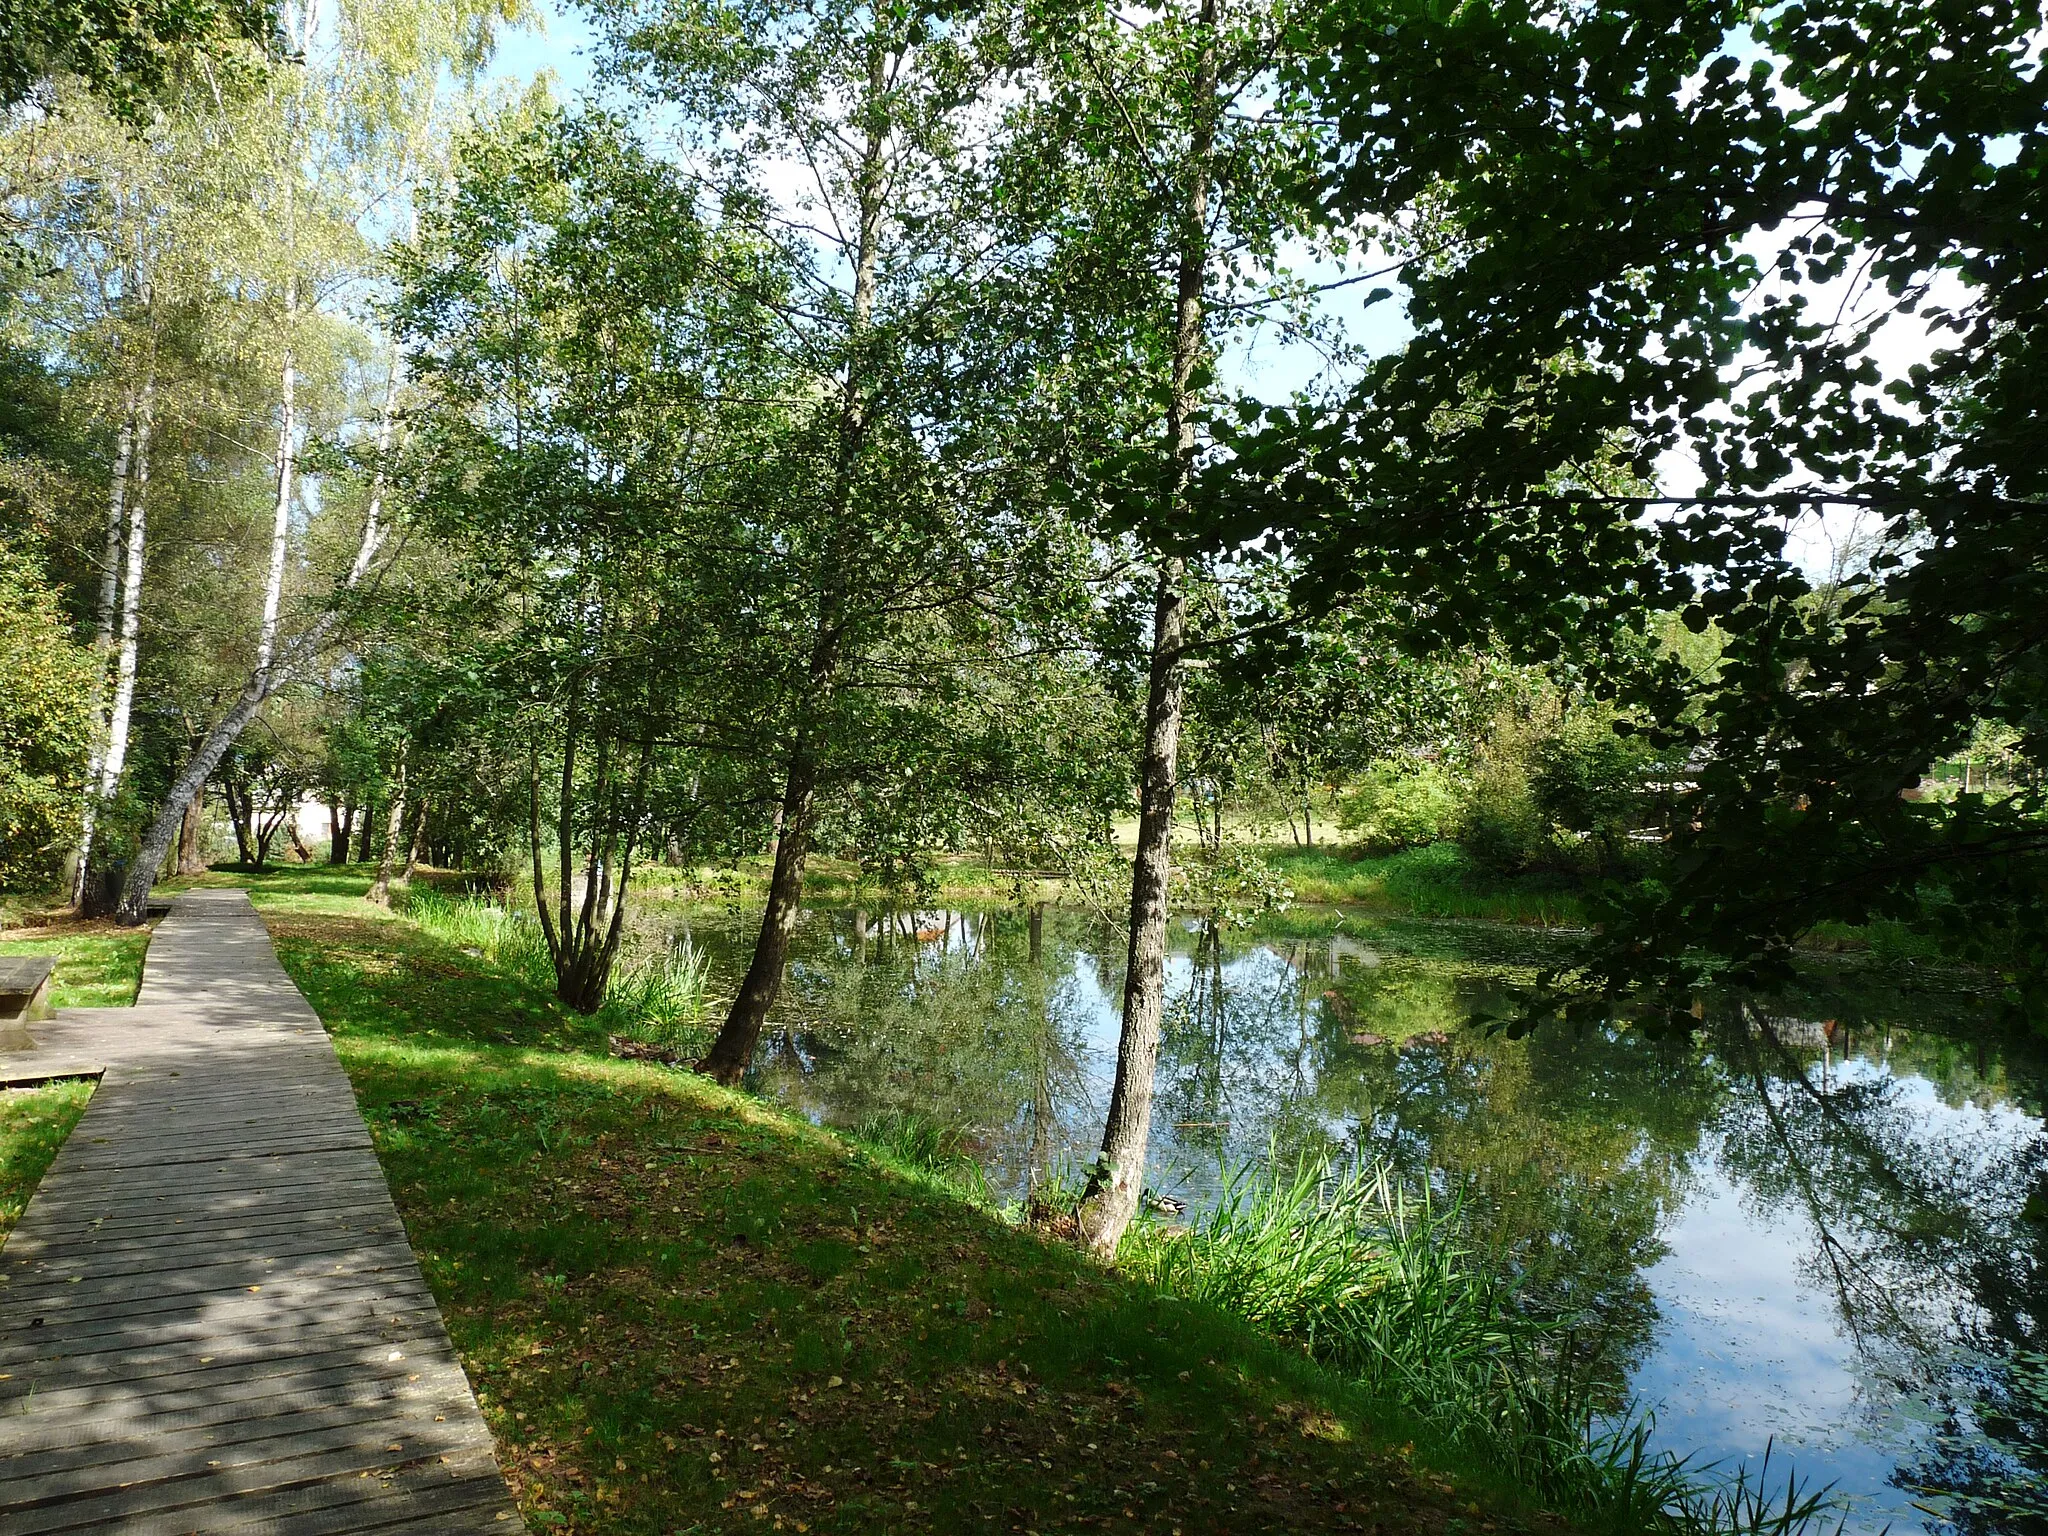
(1900, 1148)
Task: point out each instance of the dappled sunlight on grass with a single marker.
(679, 1305)
(99, 965)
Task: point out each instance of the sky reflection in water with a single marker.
(1808, 1227)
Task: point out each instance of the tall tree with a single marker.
(1157, 192)
(126, 52)
(1700, 232)
(847, 137)
(584, 347)
(348, 112)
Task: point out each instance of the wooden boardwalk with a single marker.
(210, 1317)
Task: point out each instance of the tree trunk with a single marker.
(300, 851)
(419, 839)
(266, 829)
(366, 819)
(337, 833)
(114, 759)
(394, 825)
(584, 944)
(192, 837)
(287, 463)
(214, 745)
(796, 817)
(733, 1050)
(103, 642)
(238, 817)
(1118, 1178)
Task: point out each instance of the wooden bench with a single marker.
(24, 995)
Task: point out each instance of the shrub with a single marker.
(46, 726)
(1405, 803)
(1499, 824)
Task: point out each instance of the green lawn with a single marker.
(98, 964)
(33, 1125)
(686, 1311)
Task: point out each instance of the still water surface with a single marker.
(1819, 1228)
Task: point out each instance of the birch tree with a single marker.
(1154, 170)
(848, 138)
(370, 72)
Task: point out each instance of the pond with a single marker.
(1817, 1227)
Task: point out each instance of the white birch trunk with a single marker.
(263, 681)
(131, 602)
(103, 639)
(281, 522)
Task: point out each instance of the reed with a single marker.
(925, 1150)
(1375, 1280)
(659, 998)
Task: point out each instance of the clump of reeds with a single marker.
(1375, 1280)
(659, 998)
(509, 940)
(923, 1148)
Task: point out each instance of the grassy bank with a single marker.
(1435, 882)
(680, 1307)
(1438, 881)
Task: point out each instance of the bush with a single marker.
(46, 727)
(1564, 791)
(1499, 824)
(1405, 803)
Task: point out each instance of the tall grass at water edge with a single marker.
(1375, 1281)
(657, 999)
(926, 1151)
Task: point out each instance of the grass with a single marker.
(1437, 881)
(681, 1307)
(33, 1125)
(657, 1000)
(1434, 882)
(99, 965)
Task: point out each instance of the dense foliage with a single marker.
(1702, 236)
(46, 726)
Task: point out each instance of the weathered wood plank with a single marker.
(210, 1317)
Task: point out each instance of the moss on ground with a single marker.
(686, 1311)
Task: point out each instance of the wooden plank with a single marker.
(450, 1496)
(385, 1323)
(210, 1317)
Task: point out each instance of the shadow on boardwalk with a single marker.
(210, 1318)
